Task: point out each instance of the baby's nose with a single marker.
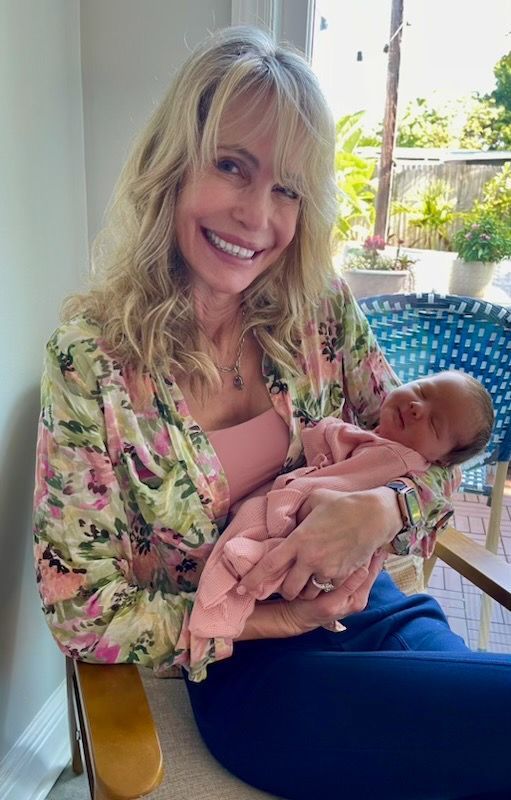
(416, 409)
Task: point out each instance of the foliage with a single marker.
(434, 213)
(496, 196)
(423, 126)
(479, 122)
(483, 238)
(502, 92)
(356, 180)
(481, 129)
(488, 125)
(371, 256)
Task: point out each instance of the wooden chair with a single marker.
(425, 333)
(128, 725)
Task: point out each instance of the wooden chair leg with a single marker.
(429, 566)
(74, 731)
(492, 544)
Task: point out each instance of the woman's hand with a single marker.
(340, 534)
(280, 619)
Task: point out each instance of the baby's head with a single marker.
(447, 417)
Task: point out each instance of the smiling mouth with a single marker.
(400, 418)
(243, 253)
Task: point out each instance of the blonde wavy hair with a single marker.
(140, 288)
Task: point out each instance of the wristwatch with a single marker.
(411, 514)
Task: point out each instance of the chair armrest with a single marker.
(124, 748)
(489, 572)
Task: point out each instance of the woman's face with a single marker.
(233, 219)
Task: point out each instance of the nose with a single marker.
(417, 409)
(253, 208)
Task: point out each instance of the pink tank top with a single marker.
(252, 453)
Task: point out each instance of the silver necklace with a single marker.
(237, 381)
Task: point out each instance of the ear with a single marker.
(442, 462)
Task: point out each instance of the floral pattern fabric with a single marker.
(130, 496)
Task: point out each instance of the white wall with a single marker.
(130, 50)
(43, 250)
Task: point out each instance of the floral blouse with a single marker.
(130, 496)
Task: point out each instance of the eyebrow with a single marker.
(241, 151)
(244, 153)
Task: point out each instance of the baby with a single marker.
(440, 419)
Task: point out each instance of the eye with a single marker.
(289, 193)
(228, 165)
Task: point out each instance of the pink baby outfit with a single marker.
(339, 456)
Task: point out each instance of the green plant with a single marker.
(434, 213)
(355, 180)
(496, 199)
(371, 256)
(423, 126)
(483, 238)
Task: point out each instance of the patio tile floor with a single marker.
(458, 597)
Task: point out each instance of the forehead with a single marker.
(449, 385)
(256, 123)
(455, 401)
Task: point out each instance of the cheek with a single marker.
(289, 227)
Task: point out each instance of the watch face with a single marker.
(413, 506)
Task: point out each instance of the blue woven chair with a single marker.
(425, 333)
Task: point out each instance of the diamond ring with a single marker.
(327, 586)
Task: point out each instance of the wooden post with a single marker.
(389, 122)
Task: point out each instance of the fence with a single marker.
(464, 181)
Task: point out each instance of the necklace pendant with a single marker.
(238, 382)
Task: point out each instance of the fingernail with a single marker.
(241, 590)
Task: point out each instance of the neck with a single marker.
(219, 319)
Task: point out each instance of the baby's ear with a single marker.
(442, 462)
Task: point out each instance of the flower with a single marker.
(371, 256)
(373, 243)
(484, 238)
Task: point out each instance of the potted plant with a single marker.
(371, 269)
(482, 241)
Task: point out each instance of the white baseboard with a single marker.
(34, 763)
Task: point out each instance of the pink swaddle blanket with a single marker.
(339, 456)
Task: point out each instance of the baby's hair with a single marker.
(484, 416)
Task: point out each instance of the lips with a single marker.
(233, 246)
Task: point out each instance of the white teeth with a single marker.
(227, 247)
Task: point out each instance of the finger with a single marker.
(353, 582)
(338, 603)
(297, 579)
(271, 566)
(310, 592)
(378, 560)
(360, 597)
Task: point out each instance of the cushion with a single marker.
(190, 769)
(407, 572)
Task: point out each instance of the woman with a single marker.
(179, 383)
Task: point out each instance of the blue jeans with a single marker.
(395, 708)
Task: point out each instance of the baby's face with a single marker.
(432, 415)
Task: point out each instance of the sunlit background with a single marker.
(449, 49)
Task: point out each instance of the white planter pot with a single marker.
(366, 282)
(471, 278)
